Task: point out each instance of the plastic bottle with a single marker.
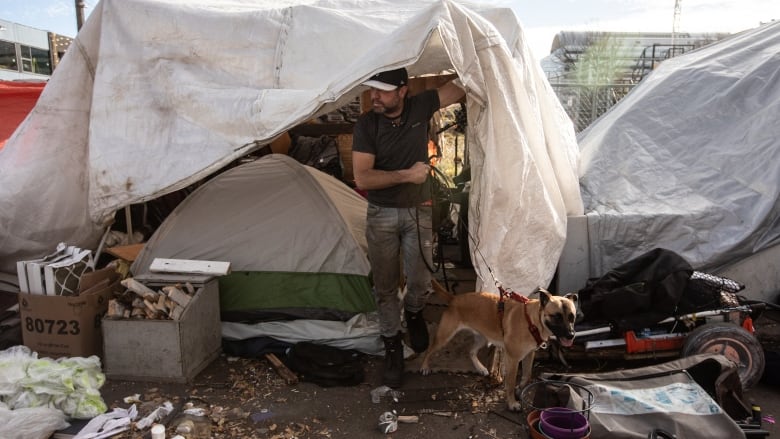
(756, 410)
(158, 431)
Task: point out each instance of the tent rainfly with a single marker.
(294, 237)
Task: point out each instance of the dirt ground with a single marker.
(247, 398)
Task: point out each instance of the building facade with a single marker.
(591, 71)
(29, 54)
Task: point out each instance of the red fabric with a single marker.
(17, 99)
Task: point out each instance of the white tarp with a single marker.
(156, 94)
(690, 159)
(361, 332)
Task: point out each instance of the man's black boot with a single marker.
(418, 330)
(394, 361)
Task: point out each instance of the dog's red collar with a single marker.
(524, 300)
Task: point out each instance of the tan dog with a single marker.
(479, 313)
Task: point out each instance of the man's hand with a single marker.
(450, 93)
(368, 178)
(418, 173)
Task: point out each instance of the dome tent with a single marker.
(294, 237)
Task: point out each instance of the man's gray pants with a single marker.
(393, 233)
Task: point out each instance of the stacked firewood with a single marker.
(142, 302)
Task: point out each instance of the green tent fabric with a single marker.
(323, 296)
(295, 238)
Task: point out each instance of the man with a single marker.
(390, 162)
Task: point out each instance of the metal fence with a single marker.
(585, 103)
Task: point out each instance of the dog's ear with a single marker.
(579, 315)
(544, 295)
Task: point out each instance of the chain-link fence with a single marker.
(585, 103)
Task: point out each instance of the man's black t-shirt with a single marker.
(398, 146)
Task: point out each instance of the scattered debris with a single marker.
(157, 414)
(382, 391)
(388, 422)
(132, 399)
(289, 376)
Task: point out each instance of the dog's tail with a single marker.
(441, 291)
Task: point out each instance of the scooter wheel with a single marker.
(734, 342)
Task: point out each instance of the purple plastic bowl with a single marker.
(563, 423)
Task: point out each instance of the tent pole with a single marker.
(102, 244)
(129, 223)
(79, 14)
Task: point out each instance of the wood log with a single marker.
(169, 302)
(289, 377)
(115, 309)
(177, 295)
(150, 306)
(140, 289)
(176, 312)
(151, 315)
(161, 305)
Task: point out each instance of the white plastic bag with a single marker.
(13, 368)
(32, 423)
(70, 384)
(48, 376)
(83, 404)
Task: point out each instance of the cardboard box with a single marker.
(166, 350)
(68, 326)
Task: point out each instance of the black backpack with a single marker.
(325, 365)
(321, 153)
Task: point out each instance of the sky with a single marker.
(541, 19)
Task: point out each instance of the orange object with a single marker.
(748, 325)
(433, 152)
(667, 342)
(126, 252)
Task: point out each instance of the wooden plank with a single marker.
(289, 377)
(161, 265)
(126, 252)
(163, 279)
